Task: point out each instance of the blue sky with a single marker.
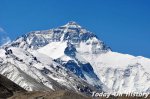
(124, 25)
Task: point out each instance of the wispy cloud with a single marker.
(2, 30)
(4, 39)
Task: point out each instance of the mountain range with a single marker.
(72, 58)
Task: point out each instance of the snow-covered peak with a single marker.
(71, 32)
(72, 24)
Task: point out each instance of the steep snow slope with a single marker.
(18, 69)
(121, 72)
(54, 49)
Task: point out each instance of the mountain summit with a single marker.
(71, 32)
(72, 24)
(72, 58)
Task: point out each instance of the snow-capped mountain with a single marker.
(69, 56)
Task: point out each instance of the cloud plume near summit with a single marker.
(4, 39)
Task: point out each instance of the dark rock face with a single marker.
(87, 68)
(8, 88)
(70, 50)
(72, 66)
